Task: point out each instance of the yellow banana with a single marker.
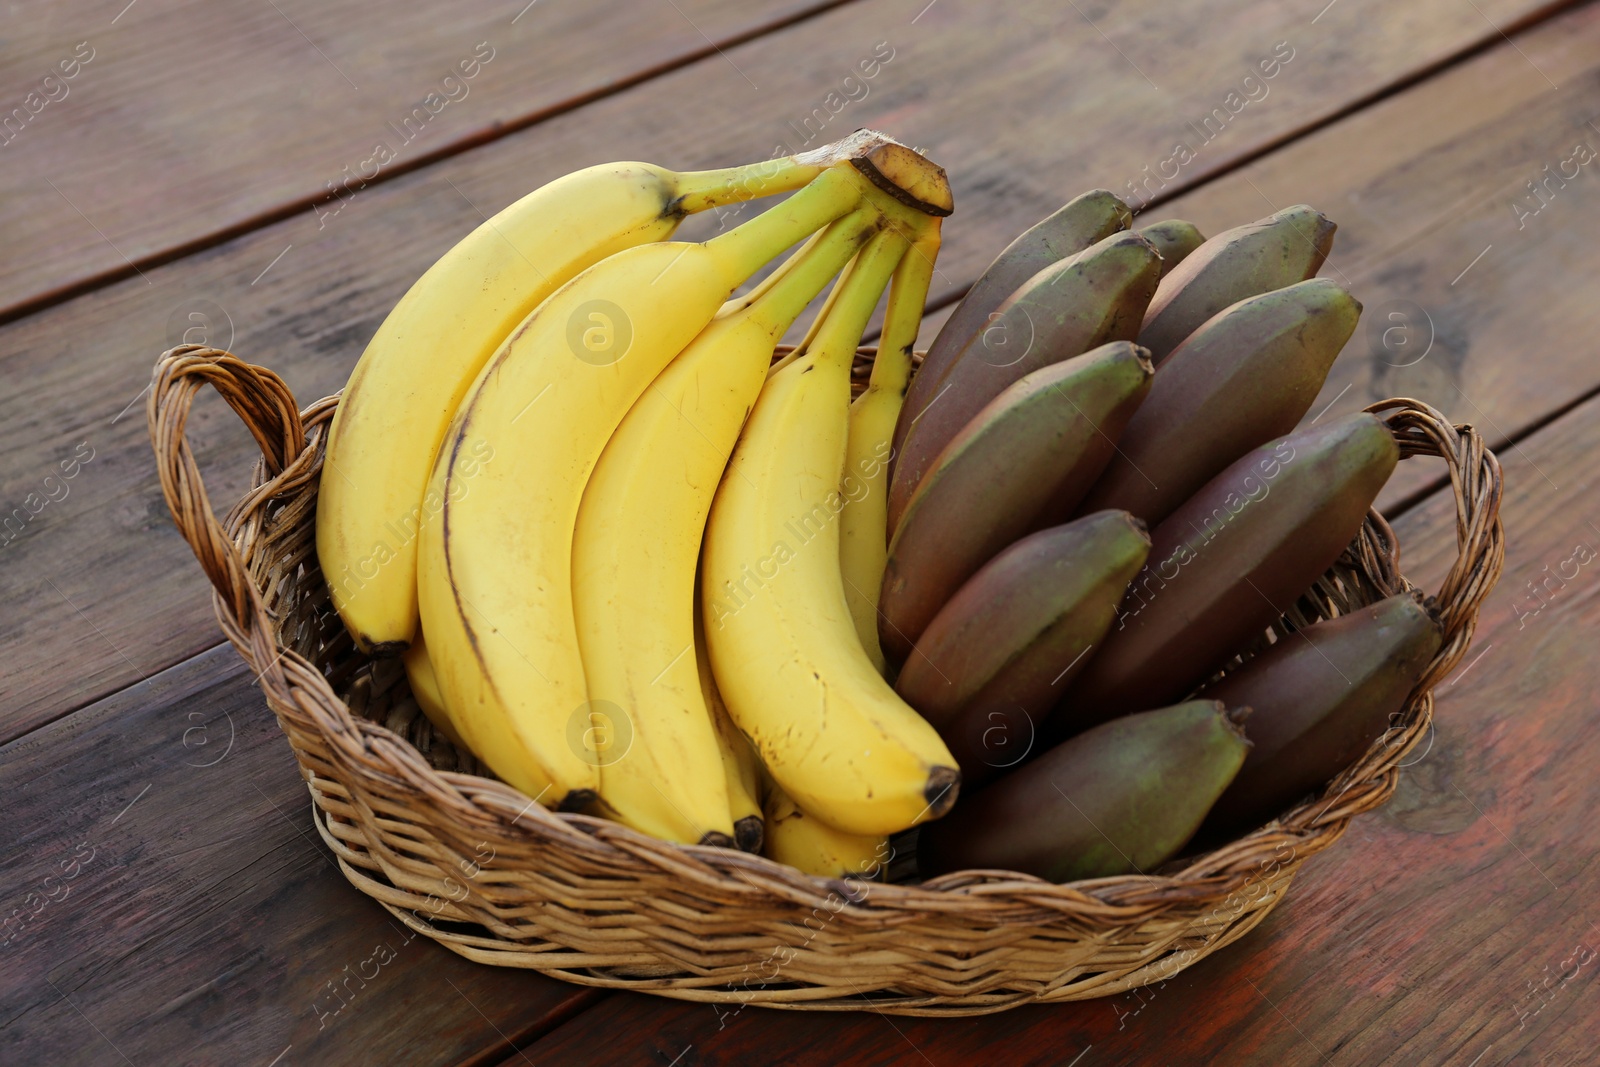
(495, 557)
(863, 525)
(637, 542)
(425, 688)
(829, 729)
(812, 846)
(741, 767)
(419, 365)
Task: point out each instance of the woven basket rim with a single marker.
(469, 806)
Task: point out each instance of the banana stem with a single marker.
(842, 329)
(745, 249)
(700, 190)
(902, 320)
(863, 540)
(812, 268)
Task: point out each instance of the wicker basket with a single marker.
(475, 865)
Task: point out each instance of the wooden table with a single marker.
(204, 171)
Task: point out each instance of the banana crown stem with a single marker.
(745, 249)
(841, 332)
(812, 268)
(902, 318)
(700, 190)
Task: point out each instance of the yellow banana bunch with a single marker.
(638, 539)
(417, 369)
(783, 644)
(631, 538)
(494, 569)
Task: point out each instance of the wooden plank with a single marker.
(1468, 277)
(228, 114)
(117, 596)
(166, 899)
(1455, 926)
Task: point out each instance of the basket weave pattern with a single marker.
(472, 863)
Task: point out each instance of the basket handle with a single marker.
(1475, 482)
(267, 408)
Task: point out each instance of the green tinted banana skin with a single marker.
(1281, 249)
(1174, 239)
(1320, 698)
(998, 656)
(1230, 562)
(1070, 307)
(1081, 222)
(1022, 464)
(1245, 377)
(1121, 798)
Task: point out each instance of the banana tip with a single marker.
(1236, 718)
(1429, 605)
(577, 800)
(940, 792)
(1136, 237)
(749, 833)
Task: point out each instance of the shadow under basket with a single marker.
(477, 866)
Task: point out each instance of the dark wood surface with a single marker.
(174, 892)
(191, 914)
(194, 120)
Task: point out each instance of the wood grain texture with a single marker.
(114, 595)
(190, 119)
(165, 898)
(1456, 926)
(1471, 282)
